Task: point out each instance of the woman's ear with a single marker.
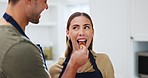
(67, 34)
(93, 32)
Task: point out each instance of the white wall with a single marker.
(3, 7)
(112, 33)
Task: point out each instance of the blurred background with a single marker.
(121, 30)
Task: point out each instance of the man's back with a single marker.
(19, 58)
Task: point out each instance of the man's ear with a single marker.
(28, 1)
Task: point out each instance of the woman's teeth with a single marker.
(82, 41)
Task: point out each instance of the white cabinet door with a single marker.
(139, 20)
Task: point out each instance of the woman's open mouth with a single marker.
(82, 41)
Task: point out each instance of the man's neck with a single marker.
(18, 15)
(4, 22)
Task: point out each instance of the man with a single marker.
(19, 57)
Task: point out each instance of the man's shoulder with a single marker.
(11, 39)
(9, 35)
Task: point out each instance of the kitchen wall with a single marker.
(111, 20)
(3, 6)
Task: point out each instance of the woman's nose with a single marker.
(81, 32)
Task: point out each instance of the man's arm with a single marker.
(24, 60)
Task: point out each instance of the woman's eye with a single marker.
(86, 27)
(75, 28)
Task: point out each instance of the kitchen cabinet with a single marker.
(139, 31)
(139, 20)
(121, 30)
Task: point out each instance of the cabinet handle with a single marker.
(131, 38)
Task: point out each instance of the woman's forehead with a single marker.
(80, 19)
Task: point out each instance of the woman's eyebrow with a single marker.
(87, 24)
(75, 25)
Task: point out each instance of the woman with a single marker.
(79, 36)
